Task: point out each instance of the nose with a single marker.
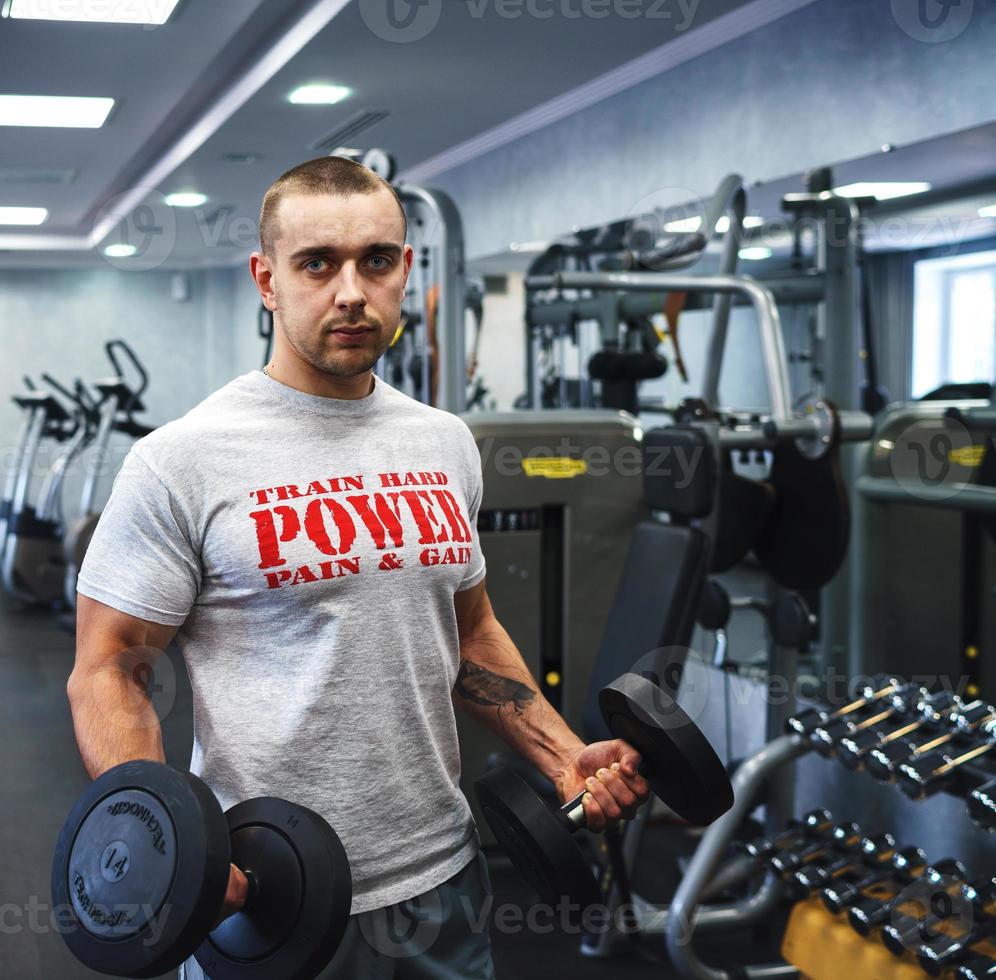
(349, 295)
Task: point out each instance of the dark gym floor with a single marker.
(42, 776)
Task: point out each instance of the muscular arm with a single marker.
(494, 686)
(113, 716)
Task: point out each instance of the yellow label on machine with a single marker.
(970, 456)
(555, 468)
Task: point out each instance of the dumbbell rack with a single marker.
(872, 909)
(706, 876)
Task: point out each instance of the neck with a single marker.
(312, 382)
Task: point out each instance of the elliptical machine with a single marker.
(31, 564)
(113, 412)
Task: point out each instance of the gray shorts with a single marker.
(442, 934)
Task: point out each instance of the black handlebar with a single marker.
(110, 347)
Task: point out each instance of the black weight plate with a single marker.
(680, 765)
(140, 869)
(538, 842)
(293, 926)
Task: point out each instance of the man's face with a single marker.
(339, 270)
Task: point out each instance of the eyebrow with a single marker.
(316, 251)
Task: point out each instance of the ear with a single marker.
(408, 256)
(262, 274)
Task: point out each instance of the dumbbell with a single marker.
(982, 805)
(977, 967)
(910, 710)
(877, 853)
(942, 903)
(926, 775)
(841, 835)
(677, 761)
(937, 714)
(825, 737)
(813, 824)
(948, 951)
(142, 867)
(870, 913)
(845, 855)
(806, 722)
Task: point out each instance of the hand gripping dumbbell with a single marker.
(909, 706)
(982, 805)
(948, 951)
(877, 853)
(825, 849)
(868, 914)
(908, 740)
(940, 904)
(813, 824)
(677, 761)
(806, 722)
(142, 867)
(826, 737)
(929, 774)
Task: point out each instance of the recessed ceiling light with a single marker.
(989, 211)
(22, 216)
(756, 253)
(62, 111)
(540, 246)
(683, 226)
(883, 190)
(688, 225)
(245, 158)
(319, 94)
(87, 11)
(186, 199)
(120, 251)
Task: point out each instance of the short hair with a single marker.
(338, 176)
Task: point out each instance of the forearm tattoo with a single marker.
(482, 686)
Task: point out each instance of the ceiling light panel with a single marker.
(92, 11)
(57, 111)
(22, 216)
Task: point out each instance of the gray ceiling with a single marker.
(475, 70)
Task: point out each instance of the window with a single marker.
(954, 321)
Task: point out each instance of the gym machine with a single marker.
(554, 523)
(120, 399)
(41, 550)
(805, 493)
(624, 350)
(929, 498)
(29, 546)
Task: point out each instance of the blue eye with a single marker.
(380, 258)
(311, 265)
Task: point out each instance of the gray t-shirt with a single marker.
(309, 549)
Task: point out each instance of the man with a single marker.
(308, 534)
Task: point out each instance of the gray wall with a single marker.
(58, 321)
(831, 82)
